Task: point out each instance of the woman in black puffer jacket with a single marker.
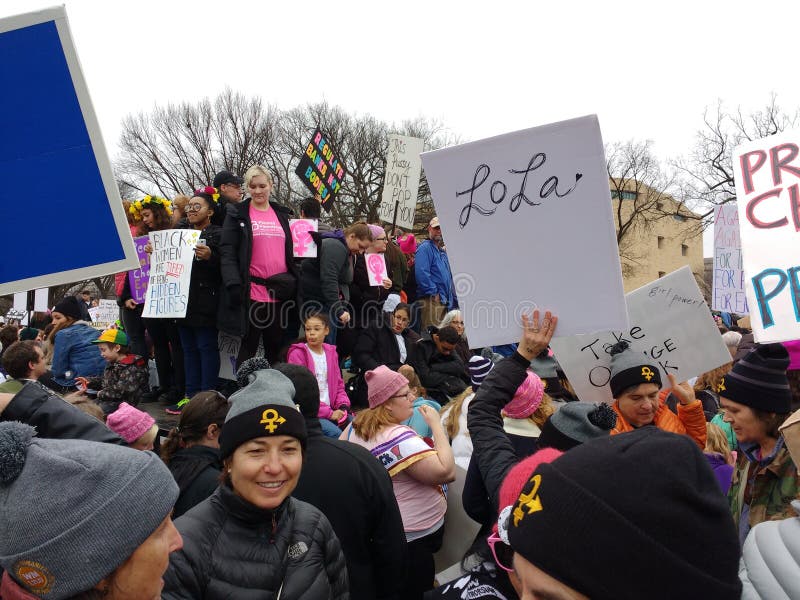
(250, 540)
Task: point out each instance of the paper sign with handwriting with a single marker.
(302, 243)
(401, 182)
(170, 273)
(670, 325)
(376, 268)
(106, 311)
(767, 173)
(728, 293)
(527, 222)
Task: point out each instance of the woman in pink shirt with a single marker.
(258, 272)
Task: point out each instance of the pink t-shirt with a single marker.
(269, 250)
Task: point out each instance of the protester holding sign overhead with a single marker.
(258, 271)
(434, 279)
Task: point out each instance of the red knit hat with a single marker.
(382, 384)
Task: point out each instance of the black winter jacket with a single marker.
(232, 549)
(492, 450)
(236, 252)
(377, 345)
(362, 510)
(326, 279)
(54, 417)
(196, 471)
(205, 283)
(442, 376)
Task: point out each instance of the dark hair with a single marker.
(360, 230)
(204, 409)
(402, 306)
(771, 420)
(209, 199)
(17, 357)
(448, 335)
(318, 315)
(161, 217)
(8, 335)
(394, 256)
(310, 208)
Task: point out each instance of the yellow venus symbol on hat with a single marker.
(271, 419)
(530, 501)
(647, 373)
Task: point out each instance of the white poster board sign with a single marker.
(376, 268)
(728, 290)
(401, 182)
(228, 351)
(670, 324)
(527, 222)
(106, 311)
(767, 173)
(303, 244)
(170, 273)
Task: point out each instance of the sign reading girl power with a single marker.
(320, 170)
(527, 222)
(51, 138)
(171, 263)
(767, 173)
(670, 324)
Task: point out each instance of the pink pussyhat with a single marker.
(129, 423)
(376, 231)
(408, 244)
(526, 399)
(382, 384)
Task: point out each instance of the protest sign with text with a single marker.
(170, 273)
(320, 169)
(137, 279)
(303, 244)
(670, 324)
(401, 181)
(105, 312)
(51, 136)
(728, 294)
(228, 351)
(767, 173)
(526, 219)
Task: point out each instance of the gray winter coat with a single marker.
(232, 549)
(770, 565)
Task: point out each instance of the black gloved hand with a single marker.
(234, 296)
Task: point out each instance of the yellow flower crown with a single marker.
(209, 191)
(149, 202)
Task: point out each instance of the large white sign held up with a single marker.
(670, 324)
(767, 173)
(401, 183)
(170, 273)
(728, 289)
(527, 222)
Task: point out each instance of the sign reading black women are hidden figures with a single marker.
(321, 170)
(171, 263)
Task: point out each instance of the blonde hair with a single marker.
(451, 421)
(711, 379)
(369, 422)
(545, 410)
(411, 376)
(717, 442)
(87, 405)
(255, 171)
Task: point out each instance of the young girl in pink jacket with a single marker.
(321, 359)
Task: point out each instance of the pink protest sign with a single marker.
(376, 268)
(304, 246)
(138, 277)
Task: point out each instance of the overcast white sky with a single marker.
(646, 69)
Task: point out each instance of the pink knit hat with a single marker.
(382, 384)
(408, 244)
(526, 399)
(129, 423)
(376, 231)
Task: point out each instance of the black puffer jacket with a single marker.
(326, 279)
(377, 345)
(231, 549)
(442, 376)
(196, 471)
(205, 283)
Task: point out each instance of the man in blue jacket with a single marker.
(434, 279)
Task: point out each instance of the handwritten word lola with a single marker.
(498, 189)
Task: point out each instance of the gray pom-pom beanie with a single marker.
(72, 511)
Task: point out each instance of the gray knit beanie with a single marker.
(575, 423)
(264, 406)
(629, 369)
(72, 511)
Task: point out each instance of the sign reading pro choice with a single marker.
(526, 219)
(767, 173)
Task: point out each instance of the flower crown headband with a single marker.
(149, 202)
(208, 191)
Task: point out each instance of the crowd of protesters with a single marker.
(328, 468)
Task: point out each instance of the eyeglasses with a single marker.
(503, 553)
(406, 395)
(193, 207)
(381, 239)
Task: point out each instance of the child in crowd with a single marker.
(416, 421)
(322, 360)
(137, 428)
(719, 455)
(125, 377)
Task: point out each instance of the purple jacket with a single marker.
(299, 354)
(722, 470)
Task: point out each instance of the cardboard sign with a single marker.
(106, 311)
(138, 278)
(321, 170)
(376, 268)
(728, 289)
(52, 138)
(767, 173)
(228, 351)
(670, 324)
(303, 244)
(170, 273)
(526, 218)
(401, 181)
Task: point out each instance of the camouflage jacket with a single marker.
(122, 381)
(774, 485)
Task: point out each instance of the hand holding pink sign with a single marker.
(376, 268)
(304, 246)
